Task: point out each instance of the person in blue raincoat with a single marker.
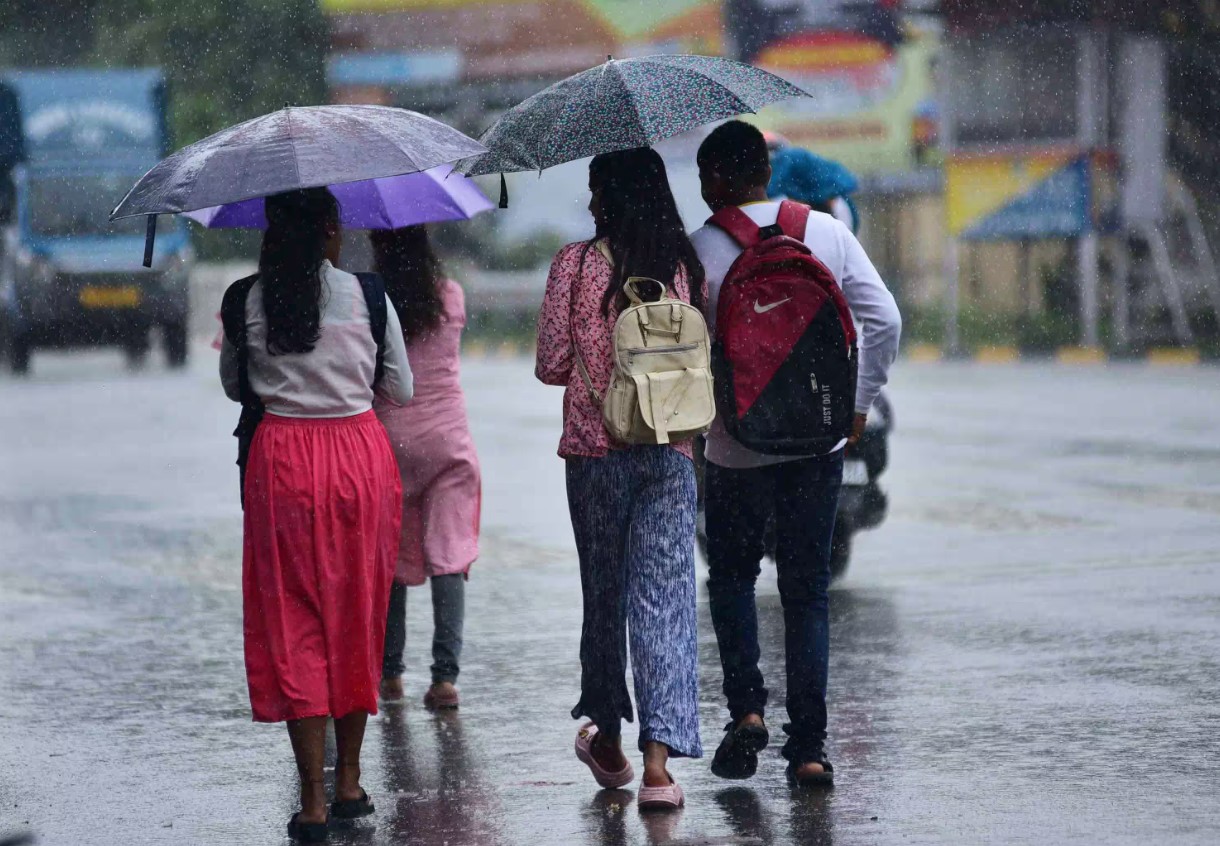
(819, 183)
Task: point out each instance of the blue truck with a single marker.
(72, 142)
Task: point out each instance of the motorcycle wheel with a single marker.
(701, 534)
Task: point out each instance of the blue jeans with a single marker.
(803, 497)
(633, 515)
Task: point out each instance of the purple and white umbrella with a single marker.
(431, 196)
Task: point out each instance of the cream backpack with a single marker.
(661, 387)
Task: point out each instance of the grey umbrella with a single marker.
(293, 148)
(624, 104)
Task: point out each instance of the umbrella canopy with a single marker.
(624, 104)
(295, 148)
(432, 196)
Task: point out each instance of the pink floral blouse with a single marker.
(572, 312)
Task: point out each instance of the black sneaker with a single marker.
(737, 755)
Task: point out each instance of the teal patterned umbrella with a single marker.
(621, 105)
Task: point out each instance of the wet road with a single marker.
(1027, 652)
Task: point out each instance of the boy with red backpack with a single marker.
(793, 386)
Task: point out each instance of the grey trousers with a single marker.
(448, 618)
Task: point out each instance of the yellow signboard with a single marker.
(871, 104)
(630, 21)
(476, 40)
(403, 5)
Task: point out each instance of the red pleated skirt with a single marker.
(323, 511)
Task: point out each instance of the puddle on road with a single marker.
(1147, 495)
(1145, 450)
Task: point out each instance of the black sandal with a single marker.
(737, 755)
(827, 776)
(306, 832)
(351, 809)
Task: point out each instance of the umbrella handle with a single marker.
(503, 192)
(150, 237)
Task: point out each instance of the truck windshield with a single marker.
(70, 204)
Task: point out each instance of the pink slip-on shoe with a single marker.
(584, 752)
(667, 798)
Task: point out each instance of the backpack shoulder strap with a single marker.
(793, 219)
(233, 319)
(738, 225)
(373, 288)
(233, 308)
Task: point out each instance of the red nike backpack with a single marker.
(784, 355)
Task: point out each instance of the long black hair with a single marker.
(636, 214)
(412, 275)
(289, 265)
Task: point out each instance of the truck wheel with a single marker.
(136, 350)
(175, 339)
(19, 355)
(840, 552)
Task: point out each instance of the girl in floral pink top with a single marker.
(572, 312)
(632, 507)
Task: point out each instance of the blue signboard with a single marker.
(394, 68)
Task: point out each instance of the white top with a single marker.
(335, 379)
(872, 305)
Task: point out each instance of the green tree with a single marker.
(226, 60)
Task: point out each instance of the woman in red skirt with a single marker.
(322, 498)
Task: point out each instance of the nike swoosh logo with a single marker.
(764, 309)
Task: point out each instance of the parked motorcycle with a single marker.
(862, 502)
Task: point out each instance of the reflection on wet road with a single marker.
(1027, 652)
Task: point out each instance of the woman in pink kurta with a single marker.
(436, 457)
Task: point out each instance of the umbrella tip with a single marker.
(609, 58)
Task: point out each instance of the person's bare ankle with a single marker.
(347, 782)
(809, 769)
(656, 776)
(608, 753)
(750, 719)
(313, 802)
(656, 762)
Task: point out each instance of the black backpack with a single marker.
(233, 317)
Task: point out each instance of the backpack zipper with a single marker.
(670, 349)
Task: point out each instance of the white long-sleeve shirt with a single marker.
(872, 305)
(335, 379)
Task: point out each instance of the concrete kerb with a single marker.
(210, 280)
(1067, 356)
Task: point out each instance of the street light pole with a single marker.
(1090, 129)
(949, 260)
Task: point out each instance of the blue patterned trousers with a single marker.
(633, 515)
